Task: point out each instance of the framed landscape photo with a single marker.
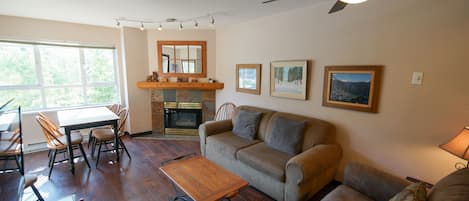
(248, 78)
(352, 87)
(289, 79)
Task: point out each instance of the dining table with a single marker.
(76, 119)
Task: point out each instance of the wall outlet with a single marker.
(417, 78)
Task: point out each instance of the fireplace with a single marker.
(182, 118)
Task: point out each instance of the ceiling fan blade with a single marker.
(339, 5)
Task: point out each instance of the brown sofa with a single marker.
(280, 175)
(363, 183)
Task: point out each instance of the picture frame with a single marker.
(289, 79)
(352, 87)
(248, 78)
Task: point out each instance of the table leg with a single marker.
(116, 139)
(70, 149)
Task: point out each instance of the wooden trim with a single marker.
(258, 68)
(375, 82)
(203, 44)
(180, 85)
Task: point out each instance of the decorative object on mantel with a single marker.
(193, 79)
(210, 80)
(248, 78)
(352, 87)
(180, 85)
(459, 146)
(180, 21)
(288, 79)
(183, 79)
(154, 76)
(163, 79)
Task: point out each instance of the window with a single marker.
(42, 76)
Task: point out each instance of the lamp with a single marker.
(459, 145)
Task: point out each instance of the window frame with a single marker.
(84, 80)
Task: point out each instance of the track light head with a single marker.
(212, 21)
(142, 28)
(160, 27)
(196, 24)
(118, 24)
(180, 26)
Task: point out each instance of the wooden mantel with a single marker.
(180, 85)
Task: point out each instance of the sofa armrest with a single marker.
(212, 128)
(312, 162)
(372, 182)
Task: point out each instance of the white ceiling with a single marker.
(103, 12)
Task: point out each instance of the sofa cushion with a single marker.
(228, 144)
(413, 192)
(453, 187)
(287, 135)
(247, 123)
(265, 159)
(345, 193)
(264, 121)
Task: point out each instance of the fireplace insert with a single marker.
(182, 118)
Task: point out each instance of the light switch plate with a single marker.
(417, 78)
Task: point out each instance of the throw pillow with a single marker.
(246, 124)
(413, 192)
(287, 135)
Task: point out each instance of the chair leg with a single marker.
(125, 148)
(93, 147)
(84, 155)
(54, 153)
(99, 153)
(38, 195)
(17, 160)
(90, 137)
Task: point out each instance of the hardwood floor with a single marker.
(133, 180)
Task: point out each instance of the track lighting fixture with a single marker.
(178, 22)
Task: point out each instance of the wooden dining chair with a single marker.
(107, 136)
(225, 111)
(115, 108)
(10, 150)
(57, 142)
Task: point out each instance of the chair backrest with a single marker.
(50, 124)
(225, 111)
(115, 108)
(50, 133)
(123, 114)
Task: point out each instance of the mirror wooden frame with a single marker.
(203, 44)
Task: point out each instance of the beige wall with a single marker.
(17, 28)
(206, 35)
(431, 36)
(135, 61)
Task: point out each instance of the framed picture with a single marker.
(352, 87)
(248, 78)
(288, 79)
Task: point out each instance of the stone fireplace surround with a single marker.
(159, 96)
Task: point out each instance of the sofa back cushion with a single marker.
(454, 187)
(287, 135)
(265, 117)
(247, 124)
(315, 131)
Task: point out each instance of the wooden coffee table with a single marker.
(202, 179)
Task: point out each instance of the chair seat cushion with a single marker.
(29, 180)
(228, 144)
(265, 159)
(345, 193)
(103, 134)
(8, 148)
(75, 137)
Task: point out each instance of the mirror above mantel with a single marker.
(182, 58)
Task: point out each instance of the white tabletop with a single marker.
(86, 115)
